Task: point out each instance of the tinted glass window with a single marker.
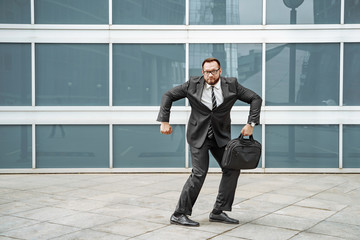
(72, 12)
(302, 146)
(15, 74)
(305, 12)
(351, 147)
(221, 12)
(148, 12)
(142, 73)
(12, 11)
(351, 73)
(15, 146)
(72, 146)
(72, 74)
(144, 147)
(302, 74)
(352, 11)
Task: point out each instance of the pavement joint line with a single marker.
(292, 204)
(226, 231)
(323, 220)
(313, 191)
(148, 231)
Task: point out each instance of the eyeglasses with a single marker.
(213, 72)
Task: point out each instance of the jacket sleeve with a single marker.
(248, 96)
(168, 98)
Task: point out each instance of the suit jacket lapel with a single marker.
(224, 88)
(200, 88)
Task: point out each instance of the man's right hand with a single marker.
(165, 128)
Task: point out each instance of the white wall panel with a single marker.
(178, 34)
(179, 115)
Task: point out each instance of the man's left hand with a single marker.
(247, 130)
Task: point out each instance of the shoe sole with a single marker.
(186, 225)
(222, 221)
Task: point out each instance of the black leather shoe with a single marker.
(183, 220)
(222, 217)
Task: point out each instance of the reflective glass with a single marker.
(352, 11)
(302, 146)
(72, 146)
(305, 12)
(351, 74)
(148, 12)
(143, 72)
(15, 146)
(72, 74)
(242, 61)
(72, 12)
(351, 146)
(15, 74)
(302, 74)
(235, 133)
(12, 11)
(225, 12)
(142, 146)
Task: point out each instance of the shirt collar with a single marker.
(217, 85)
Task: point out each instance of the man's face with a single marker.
(211, 72)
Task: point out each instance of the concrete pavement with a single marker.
(138, 206)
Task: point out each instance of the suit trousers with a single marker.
(200, 166)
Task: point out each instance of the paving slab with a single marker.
(341, 230)
(88, 234)
(261, 232)
(40, 231)
(139, 206)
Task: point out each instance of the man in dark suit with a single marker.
(211, 98)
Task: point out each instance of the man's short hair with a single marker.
(210, 60)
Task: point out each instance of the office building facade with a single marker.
(81, 81)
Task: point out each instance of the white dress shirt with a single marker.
(206, 95)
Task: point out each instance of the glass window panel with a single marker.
(72, 146)
(352, 11)
(12, 11)
(72, 12)
(148, 12)
(142, 146)
(351, 146)
(351, 73)
(242, 61)
(306, 12)
(302, 146)
(302, 74)
(235, 132)
(143, 72)
(72, 74)
(15, 146)
(207, 12)
(15, 74)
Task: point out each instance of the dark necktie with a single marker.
(214, 105)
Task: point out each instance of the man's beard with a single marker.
(212, 81)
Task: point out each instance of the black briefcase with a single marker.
(242, 153)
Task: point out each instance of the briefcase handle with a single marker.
(251, 138)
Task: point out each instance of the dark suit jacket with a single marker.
(201, 115)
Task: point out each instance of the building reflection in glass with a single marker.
(310, 12)
(316, 74)
(225, 12)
